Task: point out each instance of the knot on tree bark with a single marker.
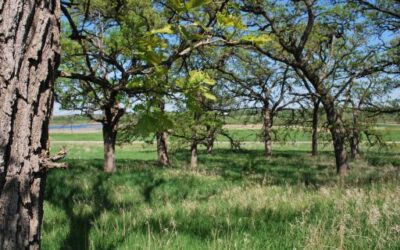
(51, 162)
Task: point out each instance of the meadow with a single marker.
(234, 200)
(389, 132)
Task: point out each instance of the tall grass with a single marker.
(235, 200)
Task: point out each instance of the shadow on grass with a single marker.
(64, 192)
(84, 192)
(377, 158)
(294, 167)
(284, 167)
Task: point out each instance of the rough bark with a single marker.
(112, 115)
(338, 134)
(314, 143)
(336, 127)
(355, 145)
(29, 45)
(162, 149)
(109, 139)
(193, 159)
(267, 127)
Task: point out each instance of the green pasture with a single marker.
(234, 200)
(388, 132)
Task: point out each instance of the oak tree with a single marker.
(30, 46)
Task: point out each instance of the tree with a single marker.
(162, 138)
(256, 80)
(362, 100)
(149, 120)
(384, 13)
(384, 18)
(104, 66)
(196, 120)
(322, 42)
(193, 127)
(30, 45)
(121, 50)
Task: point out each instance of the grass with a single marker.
(97, 136)
(234, 200)
(388, 132)
(235, 117)
(70, 119)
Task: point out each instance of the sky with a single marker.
(58, 111)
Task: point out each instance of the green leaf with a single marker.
(198, 77)
(135, 83)
(165, 30)
(152, 57)
(151, 122)
(177, 5)
(192, 4)
(188, 35)
(258, 39)
(228, 20)
(209, 96)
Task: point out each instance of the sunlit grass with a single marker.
(387, 132)
(235, 200)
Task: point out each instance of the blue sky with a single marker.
(58, 111)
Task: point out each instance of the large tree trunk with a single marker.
(109, 139)
(162, 150)
(314, 143)
(267, 127)
(338, 134)
(193, 159)
(29, 45)
(336, 127)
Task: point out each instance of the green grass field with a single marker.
(388, 132)
(234, 200)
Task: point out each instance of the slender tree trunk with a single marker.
(162, 150)
(267, 125)
(210, 145)
(355, 137)
(161, 136)
(354, 145)
(109, 139)
(338, 134)
(193, 159)
(193, 148)
(29, 45)
(210, 139)
(314, 144)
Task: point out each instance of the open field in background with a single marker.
(235, 117)
(390, 132)
(70, 119)
(235, 200)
